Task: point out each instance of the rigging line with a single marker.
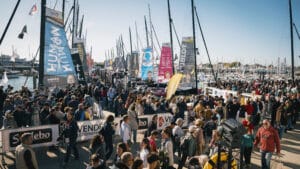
(212, 69)
(32, 65)
(150, 23)
(176, 34)
(154, 47)
(55, 5)
(296, 31)
(156, 37)
(69, 15)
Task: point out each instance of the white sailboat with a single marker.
(4, 80)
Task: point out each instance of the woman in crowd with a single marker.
(152, 126)
(133, 120)
(167, 147)
(121, 148)
(97, 146)
(177, 133)
(145, 150)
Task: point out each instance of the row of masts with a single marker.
(149, 43)
(76, 32)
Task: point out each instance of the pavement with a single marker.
(52, 159)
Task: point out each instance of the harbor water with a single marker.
(17, 83)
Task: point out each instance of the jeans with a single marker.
(281, 130)
(109, 150)
(247, 154)
(71, 145)
(266, 159)
(289, 123)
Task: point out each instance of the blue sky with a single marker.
(235, 30)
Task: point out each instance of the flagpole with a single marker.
(42, 42)
(9, 21)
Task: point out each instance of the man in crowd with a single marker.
(268, 139)
(25, 156)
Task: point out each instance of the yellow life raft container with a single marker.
(212, 162)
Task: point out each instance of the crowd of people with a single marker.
(275, 108)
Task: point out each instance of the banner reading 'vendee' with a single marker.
(88, 129)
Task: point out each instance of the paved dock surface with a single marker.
(52, 159)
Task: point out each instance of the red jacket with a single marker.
(249, 109)
(268, 139)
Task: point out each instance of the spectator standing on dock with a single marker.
(25, 156)
(268, 139)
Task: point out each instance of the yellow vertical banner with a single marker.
(173, 85)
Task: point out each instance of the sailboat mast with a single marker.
(77, 20)
(194, 41)
(204, 41)
(130, 39)
(63, 10)
(74, 22)
(81, 25)
(292, 39)
(150, 23)
(146, 29)
(42, 42)
(171, 36)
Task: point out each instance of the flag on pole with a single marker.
(24, 30)
(33, 10)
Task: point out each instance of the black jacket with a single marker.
(71, 130)
(108, 133)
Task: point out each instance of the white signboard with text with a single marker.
(87, 129)
(42, 136)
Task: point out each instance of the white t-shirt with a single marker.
(125, 132)
(143, 155)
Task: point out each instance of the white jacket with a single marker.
(125, 132)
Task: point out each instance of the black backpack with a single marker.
(232, 133)
(184, 145)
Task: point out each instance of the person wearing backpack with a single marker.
(188, 146)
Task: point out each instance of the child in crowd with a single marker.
(247, 144)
